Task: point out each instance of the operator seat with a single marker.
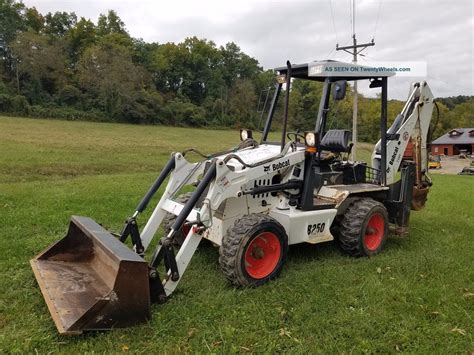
(337, 141)
(334, 142)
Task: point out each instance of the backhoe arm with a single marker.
(413, 121)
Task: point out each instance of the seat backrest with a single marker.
(337, 140)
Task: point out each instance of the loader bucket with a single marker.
(92, 281)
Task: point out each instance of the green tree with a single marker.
(81, 36)
(59, 23)
(110, 23)
(242, 103)
(11, 23)
(106, 72)
(34, 20)
(168, 67)
(303, 113)
(180, 112)
(41, 64)
(61, 65)
(464, 114)
(236, 64)
(201, 62)
(11, 20)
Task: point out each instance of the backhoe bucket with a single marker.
(92, 281)
(420, 195)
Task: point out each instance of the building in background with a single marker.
(456, 140)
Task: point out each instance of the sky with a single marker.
(439, 32)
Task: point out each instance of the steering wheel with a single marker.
(295, 134)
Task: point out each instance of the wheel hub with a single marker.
(258, 253)
(374, 232)
(371, 231)
(262, 255)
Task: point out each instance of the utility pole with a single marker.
(355, 51)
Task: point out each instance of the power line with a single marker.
(334, 49)
(330, 52)
(350, 16)
(333, 21)
(365, 56)
(353, 18)
(354, 49)
(377, 21)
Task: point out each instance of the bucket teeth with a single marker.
(91, 281)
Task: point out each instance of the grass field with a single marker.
(417, 296)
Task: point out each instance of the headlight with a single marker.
(310, 139)
(281, 79)
(245, 134)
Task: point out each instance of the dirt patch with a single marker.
(451, 165)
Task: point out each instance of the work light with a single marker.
(245, 134)
(310, 139)
(281, 79)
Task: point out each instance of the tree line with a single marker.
(60, 66)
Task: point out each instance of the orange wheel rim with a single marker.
(374, 232)
(262, 255)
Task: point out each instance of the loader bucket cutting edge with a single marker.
(92, 281)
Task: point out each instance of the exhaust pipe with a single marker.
(92, 281)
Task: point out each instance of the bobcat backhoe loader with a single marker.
(252, 202)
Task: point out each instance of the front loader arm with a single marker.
(177, 265)
(183, 173)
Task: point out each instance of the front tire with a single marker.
(363, 228)
(253, 250)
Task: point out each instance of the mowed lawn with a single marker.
(417, 296)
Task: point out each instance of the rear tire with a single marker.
(253, 250)
(363, 228)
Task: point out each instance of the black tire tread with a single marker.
(350, 225)
(231, 243)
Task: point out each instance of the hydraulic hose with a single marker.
(266, 161)
(242, 145)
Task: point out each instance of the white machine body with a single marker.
(225, 200)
